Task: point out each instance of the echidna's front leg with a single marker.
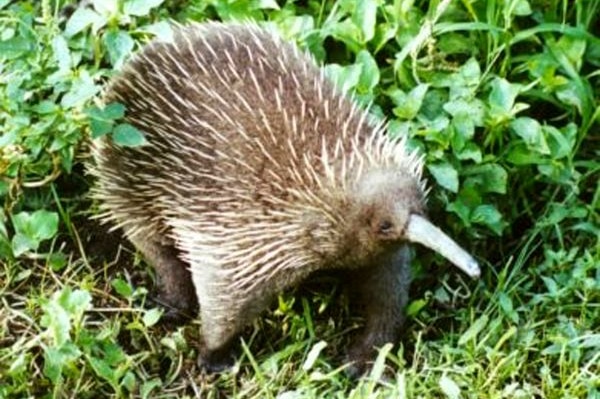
(175, 288)
(382, 294)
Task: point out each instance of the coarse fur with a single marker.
(257, 172)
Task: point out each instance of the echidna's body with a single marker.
(257, 173)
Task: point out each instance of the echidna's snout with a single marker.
(392, 202)
(424, 232)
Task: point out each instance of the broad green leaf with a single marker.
(470, 72)
(106, 8)
(21, 223)
(44, 224)
(433, 103)
(129, 381)
(265, 4)
(140, 8)
(313, 355)
(113, 111)
(441, 296)
(463, 127)
(58, 143)
(151, 317)
(239, 9)
(467, 108)
(470, 151)
(149, 386)
(553, 349)
(57, 322)
(82, 18)
(449, 387)
(344, 77)
(571, 94)
(114, 354)
(503, 95)
(521, 8)
(53, 364)
(128, 136)
(591, 341)
(122, 287)
(57, 358)
(346, 32)
(62, 54)
(414, 307)
(94, 112)
(162, 30)
(456, 43)
(8, 138)
(520, 155)
(573, 48)
(76, 302)
(461, 82)
(530, 131)
(103, 369)
(15, 47)
(445, 175)
(408, 105)
(489, 178)
(119, 45)
(550, 285)
(557, 171)
(364, 17)
(506, 305)
(435, 130)
(557, 143)
(82, 89)
(384, 32)
(21, 243)
(57, 261)
(46, 107)
(489, 216)
(473, 330)
(369, 75)
(296, 26)
(542, 66)
(560, 142)
(100, 127)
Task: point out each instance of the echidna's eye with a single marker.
(385, 227)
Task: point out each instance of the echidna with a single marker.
(258, 171)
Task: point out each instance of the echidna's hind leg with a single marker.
(220, 317)
(224, 311)
(175, 286)
(382, 294)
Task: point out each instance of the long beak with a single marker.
(422, 231)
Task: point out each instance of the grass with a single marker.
(503, 98)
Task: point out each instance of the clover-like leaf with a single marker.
(445, 175)
(128, 135)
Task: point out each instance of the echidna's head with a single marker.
(382, 202)
(387, 208)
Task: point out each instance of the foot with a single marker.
(216, 361)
